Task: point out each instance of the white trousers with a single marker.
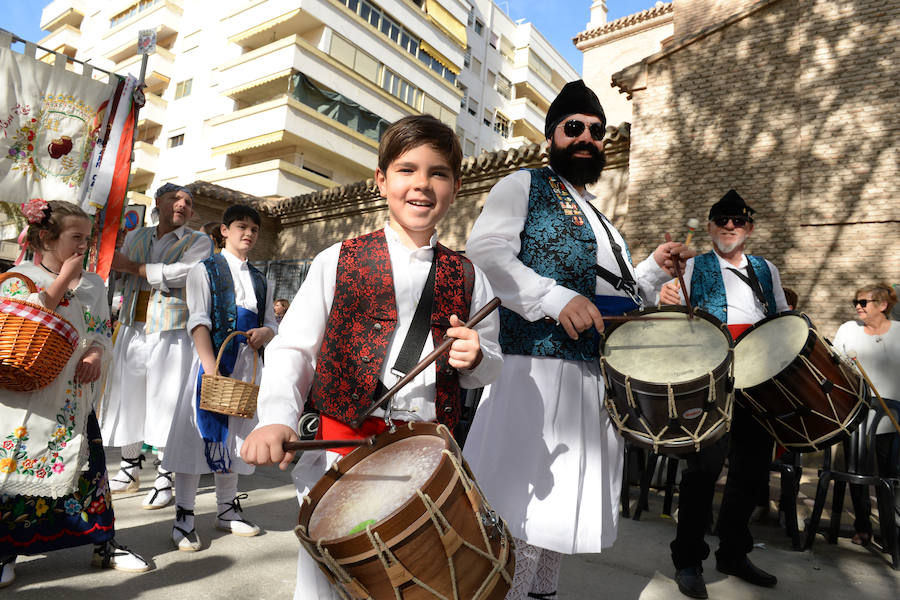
(148, 375)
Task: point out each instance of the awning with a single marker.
(248, 144)
(264, 26)
(257, 82)
(444, 20)
(446, 62)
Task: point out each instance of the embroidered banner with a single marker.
(49, 124)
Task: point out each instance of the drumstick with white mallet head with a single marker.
(852, 356)
(692, 224)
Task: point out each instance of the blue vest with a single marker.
(223, 313)
(708, 287)
(559, 243)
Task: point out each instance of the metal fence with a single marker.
(285, 275)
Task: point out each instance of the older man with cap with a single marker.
(739, 290)
(152, 353)
(542, 446)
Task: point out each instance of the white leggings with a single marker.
(537, 571)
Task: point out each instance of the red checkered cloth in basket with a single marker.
(33, 313)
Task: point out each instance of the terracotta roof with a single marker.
(625, 22)
(217, 192)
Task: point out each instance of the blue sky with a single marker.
(558, 20)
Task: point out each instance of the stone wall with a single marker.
(793, 104)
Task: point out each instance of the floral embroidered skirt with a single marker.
(36, 524)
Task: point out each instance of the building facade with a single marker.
(278, 98)
(793, 104)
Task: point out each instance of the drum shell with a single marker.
(417, 546)
(651, 400)
(775, 411)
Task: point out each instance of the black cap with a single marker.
(574, 98)
(731, 205)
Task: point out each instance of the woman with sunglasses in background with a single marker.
(875, 341)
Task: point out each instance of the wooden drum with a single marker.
(405, 519)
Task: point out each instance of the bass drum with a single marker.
(405, 519)
(669, 380)
(796, 385)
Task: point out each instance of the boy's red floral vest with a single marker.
(363, 318)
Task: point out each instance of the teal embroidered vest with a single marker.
(557, 242)
(708, 287)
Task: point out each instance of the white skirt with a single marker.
(147, 377)
(185, 448)
(546, 455)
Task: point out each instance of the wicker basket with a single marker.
(35, 343)
(227, 396)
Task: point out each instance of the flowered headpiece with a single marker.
(36, 210)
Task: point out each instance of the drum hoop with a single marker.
(812, 335)
(665, 308)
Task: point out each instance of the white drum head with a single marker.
(674, 350)
(376, 486)
(767, 349)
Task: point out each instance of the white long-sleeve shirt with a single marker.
(199, 299)
(163, 276)
(495, 243)
(291, 356)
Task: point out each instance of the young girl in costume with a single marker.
(54, 491)
(224, 293)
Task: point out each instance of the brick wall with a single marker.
(693, 15)
(795, 107)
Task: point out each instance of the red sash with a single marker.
(332, 429)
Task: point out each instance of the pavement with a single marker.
(638, 566)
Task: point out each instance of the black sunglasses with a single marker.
(862, 302)
(739, 222)
(573, 128)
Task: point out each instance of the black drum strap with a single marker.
(751, 280)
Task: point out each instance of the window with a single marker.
(399, 87)
(491, 79)
(503, 86)
(476, 67)
(469, 148)
(479, 26)
(494, 40)
(488, 117)
(465, 97)
(501, 125)
(131, 11)
(176, 140)
(540, 67)
(507, 50)
(473, 107)
(183, 88)
(467, 59)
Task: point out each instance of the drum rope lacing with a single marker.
(796, 402)
(398, 574)
(656, 440)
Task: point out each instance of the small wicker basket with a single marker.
(35, 343)
(227, 396)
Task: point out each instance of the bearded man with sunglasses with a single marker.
(542, 446)
(739, 290)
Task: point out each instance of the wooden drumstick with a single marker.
(432, 356)
(326, 444)
(852, 355)
(677, 268)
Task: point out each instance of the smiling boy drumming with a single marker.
(338, 345)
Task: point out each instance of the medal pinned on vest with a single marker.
(569, 207)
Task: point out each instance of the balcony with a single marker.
(63, 40)
(153, 113)
(62, 12)
(160, 67)
(283, 125)
(120, 42)
(255, 26)
(276, 177)
(146, 161)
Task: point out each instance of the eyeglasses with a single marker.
(862, 302)
(739, 222)
(573, 128)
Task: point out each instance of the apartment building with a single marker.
(285, 97)
(510, 75)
